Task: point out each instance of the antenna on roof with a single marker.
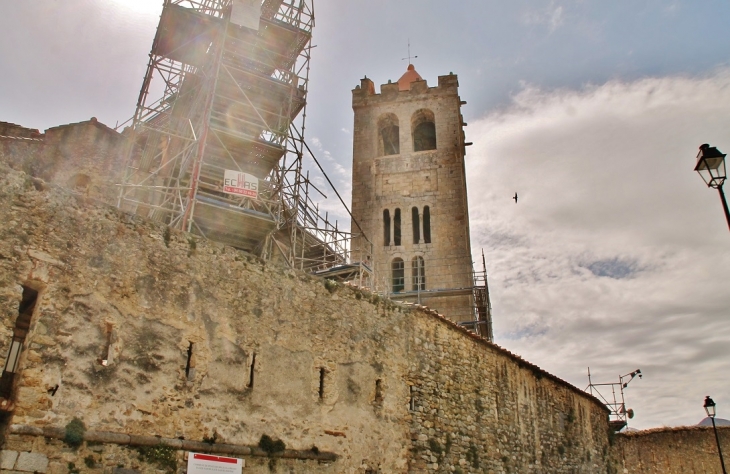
(409, 53)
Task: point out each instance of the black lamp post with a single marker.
(710, 409)
(711, 167)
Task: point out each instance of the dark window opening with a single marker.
(22, 325)
(321, 382)
(396, 228)
(412, 402)
(398, 277)
(107, 353)
(418, 274)
(427, 224)
(424, 136)
(416, 225)
(190, 364)
(386, 227)
(391, 140)
(378, 391)
(250, 374)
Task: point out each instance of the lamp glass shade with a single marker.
(710, 407)
(711, 166)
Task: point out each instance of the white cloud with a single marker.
(552, 16)
(616, 256)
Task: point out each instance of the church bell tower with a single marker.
(409, 193)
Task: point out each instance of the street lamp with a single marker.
(711, 167)
(710, 409)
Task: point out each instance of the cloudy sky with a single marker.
(616, 256)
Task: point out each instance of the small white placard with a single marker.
(209, 463)
(244, 184)
(246, 13)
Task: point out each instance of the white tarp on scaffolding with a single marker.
(243, 184)
(246, 13)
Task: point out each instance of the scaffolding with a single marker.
(217, 138)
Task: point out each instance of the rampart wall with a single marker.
(162, 344)
(683, 450)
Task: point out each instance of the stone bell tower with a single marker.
(409, 192)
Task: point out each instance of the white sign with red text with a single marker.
(243, 184)
(208, 463)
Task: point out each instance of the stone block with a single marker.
(7, 459)
(32, 462)
(121, 470)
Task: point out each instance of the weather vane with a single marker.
(409, 53)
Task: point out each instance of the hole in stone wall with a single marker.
(190, 365)
(412, 402)
(22, 324)
(250, 374)
(378, 391)
(106, 356)
(321, 382)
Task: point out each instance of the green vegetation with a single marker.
(166, 234)
(472, 455)
(75, 430)
(271, 446)
(331, 285)
(165, 457)
(434, 446)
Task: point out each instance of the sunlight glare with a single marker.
(144, 7)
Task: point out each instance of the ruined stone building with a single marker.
(409, 191)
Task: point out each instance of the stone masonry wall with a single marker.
(153, 338)
(87, 156)
(684, 450)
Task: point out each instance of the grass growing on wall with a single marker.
(165, 457)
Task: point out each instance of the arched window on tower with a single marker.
(388, 135)
(418, 274)
(427, 224)
(398, 275)
(423, 126)
(396, 227)
(416, 225)
(386, 227)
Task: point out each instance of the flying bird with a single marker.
(515, 198)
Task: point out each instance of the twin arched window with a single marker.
(415, 222)
(398, 274)
(423, 130)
